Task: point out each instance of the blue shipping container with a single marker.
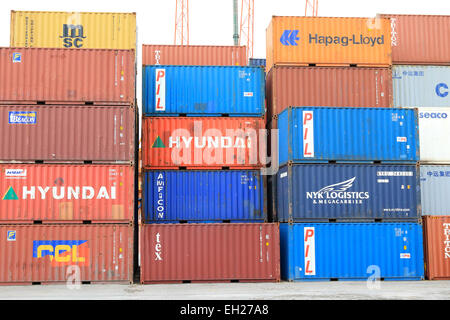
(203, 90)
(345, 192)
(322, 134)
(351, 251)
(253, 62)
(204, 196)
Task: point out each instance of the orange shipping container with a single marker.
(328, 41)
(203, 142)
(48, 254)
(66, 193)
(67, 76)
(420, 39)
(437, 247)
(194, 55)
(327, 86)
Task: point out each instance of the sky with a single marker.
(211, 21)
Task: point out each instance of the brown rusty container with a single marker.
(66, 193)
(194, 55)
(59, 133)
(246, 252)
(68, 76)
(420, 39)
(328, 86)
(437, 247)
(51, 254)
(203, 142)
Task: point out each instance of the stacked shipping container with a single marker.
(69, 148)
(204, 197)
(347, 160)
(421, 78)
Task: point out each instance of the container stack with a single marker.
(204, 207)
(421, 78)
(346, 192)
(68, 114)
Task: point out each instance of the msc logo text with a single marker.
(73, 36)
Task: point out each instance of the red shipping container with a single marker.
(437, 247)
(194, 55)
(67, 133)
(50, 254)
(203, 142)
(420, 39)
(69, 76)
(66, 193)
(327, 86)
(210, 252)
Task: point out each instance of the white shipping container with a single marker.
(434, 190)
(421, 86)
(434, 135)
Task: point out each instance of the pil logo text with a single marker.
(309, 234)
(73, 36)
(62, 252)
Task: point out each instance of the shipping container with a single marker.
(420, 39)
(59, 133)
(90, 30)
(327, 86)
(254, 62)
(434, 130)
(436, 233)
(340, 192)
(66, 193)
(203, 142)
(51, 254)
(69, 76)
(247, 252)
(205, 196)
(435, 190)
(309, 134)
(156, 54)
(351, 251)
(421, 86)
(325, 41)
(203, 90)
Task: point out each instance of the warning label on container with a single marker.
(402, 139)
(405, 256)
(248, 94)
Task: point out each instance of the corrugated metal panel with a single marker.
(52, 253)
(92, 30)
(347, 193)
(196, 142)
(421, 86)
(434, 188)
(434, 128)
(253, 62)
(328, 41)
(325, 87)
(437, 247)
(193, 55)
(210, 252)
(205, 196)
(66, 193)
(203, 90)
(420, 39)
(70, 76)
(308, 134)
(348, 251)
(67, 133)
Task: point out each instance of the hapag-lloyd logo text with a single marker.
(338, 194)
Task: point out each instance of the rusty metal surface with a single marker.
(69, 76)
(210, 252)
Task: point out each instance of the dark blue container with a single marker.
(351, 251)
(204, 196)
(203, 91)
(347, 192)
